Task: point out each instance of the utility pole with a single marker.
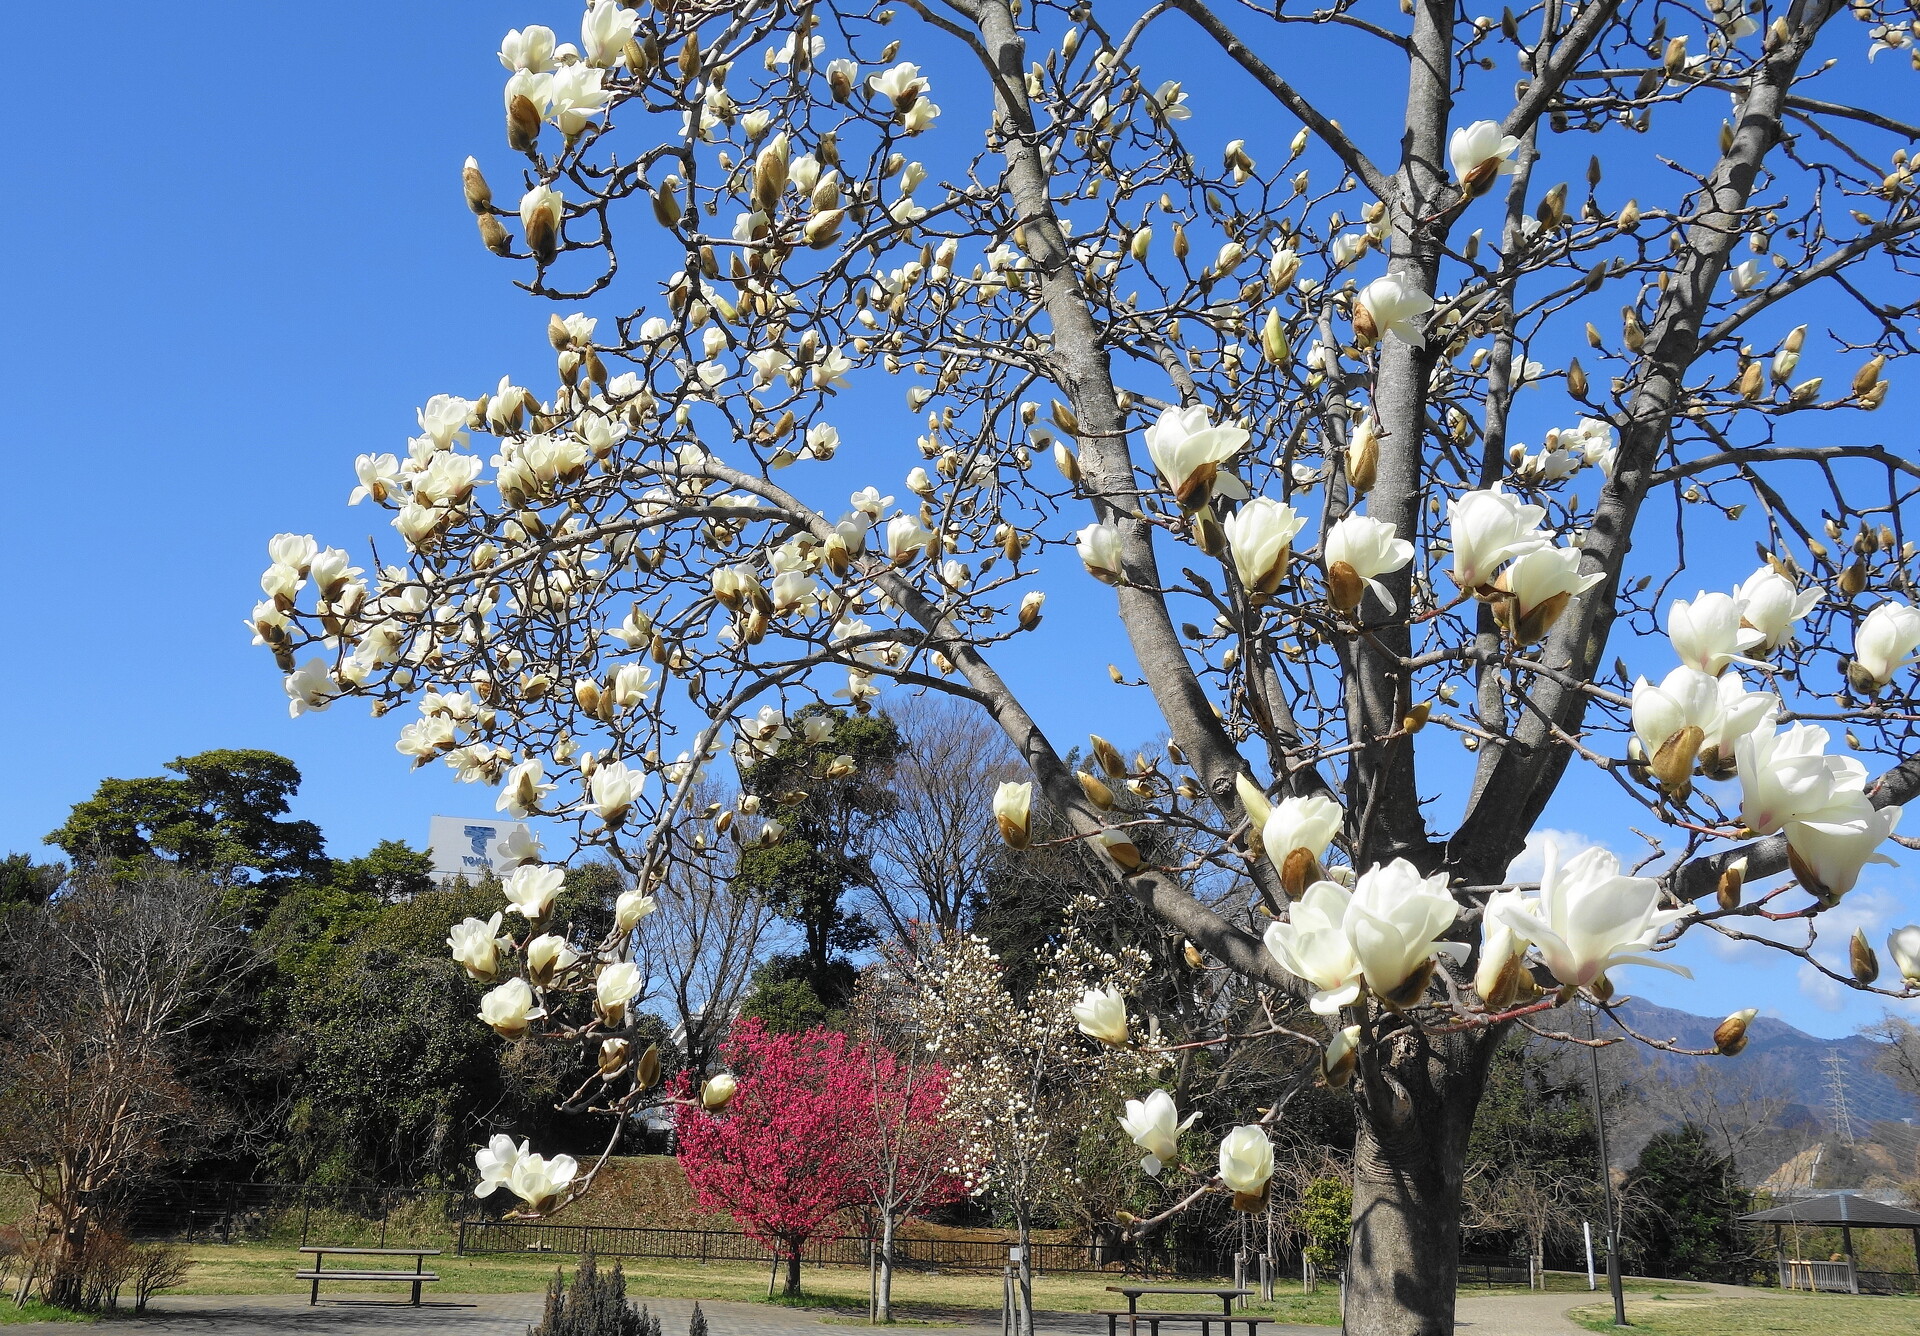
(1606, 1188)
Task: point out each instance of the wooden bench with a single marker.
(1226, 1294)
(417, 1277)
(1138, 1318)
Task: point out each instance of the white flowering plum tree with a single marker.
(1261, 360)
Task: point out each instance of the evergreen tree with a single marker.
(1683, 1205)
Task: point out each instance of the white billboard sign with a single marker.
(465, 846)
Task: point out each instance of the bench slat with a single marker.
(375, 1252)
(365, 1275)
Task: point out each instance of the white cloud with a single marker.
(1532, 859)
(1823, 992)
(1870, 909)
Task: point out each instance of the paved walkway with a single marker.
(509, 1314)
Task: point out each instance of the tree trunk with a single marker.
(1408, 1175)
(883, 1307)
(792, 1290)
(1023, 1288)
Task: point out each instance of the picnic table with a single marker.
(416, 1277)
(1135, 1315)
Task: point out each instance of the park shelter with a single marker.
(1845, 1211)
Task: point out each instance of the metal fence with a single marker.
(231, 1212)
(480, 1237)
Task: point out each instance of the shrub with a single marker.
(594, 1304)
(155, 1268)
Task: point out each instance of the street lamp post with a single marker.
(1606, 1188)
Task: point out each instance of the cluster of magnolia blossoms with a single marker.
(1702, 720)
(532, 1178)
(1154, 1123)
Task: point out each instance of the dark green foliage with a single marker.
(1682, 1203)
(782, 995)
(806, 876)
(25, 882)
(1323, 1217)
(390, 871)
(594, 1304)
(697, 1324)
(218, 814)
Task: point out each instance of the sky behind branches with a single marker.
(223, 292)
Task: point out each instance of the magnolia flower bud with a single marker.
(523, 124)
(1109, 757)
(647, 1074)
(1121, 849)
(474, 185)
(1097, 792)
(1861, 958)
(1903, 944)
(1191, 954)
(1731, 1035)
(613, 1057)
(494, 235)
(1013, 813)
(718, 1092)
(1732, 877)
(1030, 609)
(1340, 1057)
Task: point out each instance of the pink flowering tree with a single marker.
(783, 1156)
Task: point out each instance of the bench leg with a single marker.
(416, 1294)
(315, 1297)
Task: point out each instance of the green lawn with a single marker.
(1767, 1313)
(35, 1311)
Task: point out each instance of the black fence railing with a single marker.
(482, 1237)
(235, 1212)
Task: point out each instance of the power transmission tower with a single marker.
(1837, 1097)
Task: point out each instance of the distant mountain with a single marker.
(1782, 1062)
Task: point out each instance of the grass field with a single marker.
(1768, 1313)
(268, 1269)
(35, 1311)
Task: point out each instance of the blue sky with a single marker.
(221, 292)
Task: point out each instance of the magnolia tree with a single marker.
(1271, 390)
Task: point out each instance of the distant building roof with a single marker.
(1839, 1208)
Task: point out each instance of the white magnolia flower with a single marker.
(548, 956)
(605, 30)
(1719, 710)
(1887, 641)
(1828, 852)
(510, 1009)
(1389, 306)
(532, 889)
(1488, 527)
(1100, 549)
(536, 1180)
(1589, 918)
(1770, 603)
(575, 95)
(903, 84)
(618, 984)
(309, 687)
(1358, 550)
(718, 1091)
(476, 945)
(443, 419)
(523, 789)
(613, 789)
(518, 845)
(1246, 1160)
(1786, 775)
(1503, 949)
(1542, 582)
(295, 550)
(1313, 945)
(1903, 944)
(1102, 1014)
(1394, 919)
(1260, 535)
(905, 538)
(1296, 834)
(1188, 450)
(528, 48)
(631, 907)
(1479, 152)
(1154, 1125)
(1013, 812)
(379, 477)
(1708, 633)
(495, 1161)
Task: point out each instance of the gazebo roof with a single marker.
(1841, 1208)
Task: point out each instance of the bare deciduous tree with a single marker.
(106, 987)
